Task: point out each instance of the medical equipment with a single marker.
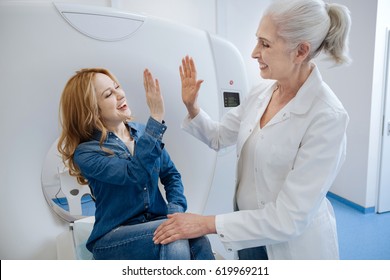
(62, 38)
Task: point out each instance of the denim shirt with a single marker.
(125, 186)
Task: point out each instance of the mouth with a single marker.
(123, 106)
(263, 66)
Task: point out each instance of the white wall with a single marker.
(353, 84)
(237, 21)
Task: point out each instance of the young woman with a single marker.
(122, 162)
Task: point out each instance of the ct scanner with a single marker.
(62, 38)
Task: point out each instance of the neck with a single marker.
(120, 130)
(290, 86)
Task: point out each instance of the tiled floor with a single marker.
(362, 236)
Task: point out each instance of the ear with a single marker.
(302, 52)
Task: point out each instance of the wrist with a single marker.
(193, 112)
(210, 227)
(160, 119)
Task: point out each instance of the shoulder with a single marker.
(330, 99)
(260, 90)
(322, 98)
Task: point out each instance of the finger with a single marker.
(163, 235)
(187, 67)
(198, 84)
(157, 86)
(163, 227)
(168, 236)
(193, 67)
(170, 239)
(181, 73)
(145, 80)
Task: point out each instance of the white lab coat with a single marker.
(298, 155)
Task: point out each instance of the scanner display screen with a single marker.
(231, 99)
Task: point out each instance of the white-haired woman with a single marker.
(290, 135)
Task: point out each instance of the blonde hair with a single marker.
(79, 116)
(324, 26)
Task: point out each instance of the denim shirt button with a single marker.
(145, 189)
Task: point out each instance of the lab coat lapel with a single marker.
(302, 102)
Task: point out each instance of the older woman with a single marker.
(290, 135)
(122, 162)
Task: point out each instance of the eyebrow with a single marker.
(263, 39)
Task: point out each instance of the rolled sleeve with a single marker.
(155, 128)
(175, 208)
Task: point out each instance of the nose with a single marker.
(256, 52)
(119, 93)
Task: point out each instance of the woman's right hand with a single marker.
(153, 96)
(190, 86)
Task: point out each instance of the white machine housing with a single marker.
(49, 42)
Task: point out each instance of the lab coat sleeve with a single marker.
(318, 160)
(216, 135)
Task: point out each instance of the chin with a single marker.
(264, 76)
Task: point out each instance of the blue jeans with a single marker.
(135, 242)
(256, 253)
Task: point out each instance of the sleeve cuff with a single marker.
(174, 208)
(155, 128)
(219, 226)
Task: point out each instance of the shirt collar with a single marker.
(302, 102)
(133, 132)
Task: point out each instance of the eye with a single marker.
(263, 43)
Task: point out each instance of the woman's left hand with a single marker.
(184, 226)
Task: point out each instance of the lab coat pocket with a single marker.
(281, 159)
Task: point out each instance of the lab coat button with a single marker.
(230, 250)
(221, 235)
(262, 202)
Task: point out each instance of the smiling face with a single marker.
(271, 52)
(111, 101)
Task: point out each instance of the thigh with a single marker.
(201, 249)
(128, 242)
(256, 253)
(135, 242)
